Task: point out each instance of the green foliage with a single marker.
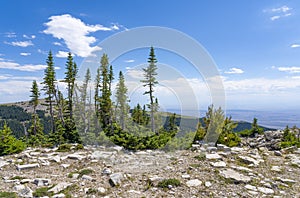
(8, 143)
(42, 192)
(121, 101)
(228, 137)
(289, 138)
(85, 172)
(255, 129)
(135, 142)
(200, 157)
(200, 133)
(64, 147)
(167, 182)
(8, 195)
(150, 82)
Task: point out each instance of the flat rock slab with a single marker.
(235, 176)
(27, 166)
(219, 164)
(59, 187)
(116, 179)
(265, 190)
(76, 157)
(193, 183)
(213, 156)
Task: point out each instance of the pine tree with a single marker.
(71, 74)
(105, 103)
(121, 100)
(34, 102)
(49, 87)
(150, 82)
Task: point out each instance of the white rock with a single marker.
(193, 183)
(213, 156)
(207, 184)
(276, 169)
(59, 187)
(76, 157)
(60, 195)
(23, 191)
(287, 181)
(219, 164)
(186, 176)
(3, 163)
(41, 181)
(249, 160)
(250, 187)
(116, 179)
(27, 166)
(87, 177)
(55, 158)
(265, 190)
(237, 177)
(253, 192)
(106, 171)
(101, 155)
(65, 165)
(101, 190)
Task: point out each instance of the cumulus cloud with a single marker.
(234, 70)
(57, 43)
(295, 45)
(25, 54)
(289, 69)
(75, 33)
(62, 54)
(21, 43)
(16, 66)
(279, 12)
(129, 61)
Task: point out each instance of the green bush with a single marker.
(42, 192)
(8, 195)
(64, 148)
(9, 144)
(166, 182)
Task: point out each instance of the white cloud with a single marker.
(16, 66)
(42, 52)
(129, 61)
(289, 69)
(75, 33)
(273, 18)
(135, 73)
(10, 35)
(279, 12)
(25, 54)
(21, 43)
(295, 45)
(281, 9)
(234, 70)
(29, 37)
(57, 43)
(62, 54)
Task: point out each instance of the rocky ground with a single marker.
(203, 171)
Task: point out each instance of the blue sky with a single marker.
(255, 45)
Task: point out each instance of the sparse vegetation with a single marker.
(169, 182)
(8, 195)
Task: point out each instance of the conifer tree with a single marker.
(150, 82)
(121, 100)
(49, 87)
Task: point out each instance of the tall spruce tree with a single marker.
(35, 93)
(150, 82)
(49, 88)
(121, 100)
(71, 74)
(105, 103)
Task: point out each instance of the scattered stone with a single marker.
(41, 182)
(276, 169)
(265, 190)
(59, 187)
(207, 184)
(249, 160)
(235, 176)
(87, 177)
(101, 190)
(219, 164)
(116, 179)
(289, 149)
(106, 171)
(60, 195)
(186, 176)
(250, 187)
(101, 155)
(222, 147)
(213, 156)
(3, 163)
(55, 158)
(23, 191)
(76, 157)
(287, 181)
(27, 166)
(277, 153)
(65, 165)
(193, 183)
(211, 149)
